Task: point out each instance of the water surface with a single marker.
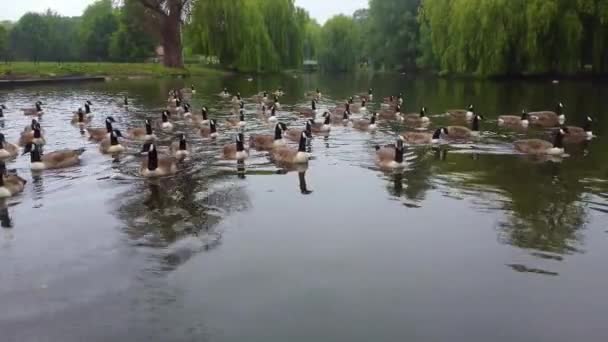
(470, 243)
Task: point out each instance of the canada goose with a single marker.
(321, 127)
(179, 149)
(279, 92)
(32, 126)
(276, 102)
(359, 108)
(343, 119)
(391, 113)
(549, 119)
(289, 155)
(417, 119)
(225, 94)
(369, 96)
(540, 147)
(580, 133)
(237, 150)
(87, 108)
(32, 137)
(125, 102)
(309, 112)
(273, 116)
(191, 90)
(391, 157)
(210, 130)
(463, 133)
(142, 133)
(98, 134)
(462, 114)
(237, 99)
(111, 145)
(400, 99)
(52, 160)
(368, 125)
(514, 120)
(423, 138)
(238, 122)
(186, 111)
(80, 118)
(294, 134)
(37, 110)
(10, 185)
(152, 166)
(165, 124)
(7, 150)
(200, 119)
(269, 142)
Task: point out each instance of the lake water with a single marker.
(470, 243)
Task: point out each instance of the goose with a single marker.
(87, 108)
(32, 137)
(576, 134)
(322, 127)
(391, 157)
(191, 90)
(547, 118)
(337, 119)
(165, 124)
(391, 113)
(269, 142)
(10, 185)
(424, 138)
(142, 133)
(31, 126)
(279, 92)
(464, 133)
(238, 122)
(514, 120)
(462, 114)
(210, 130)
(179, 149)
(294, 134)
(359, 108)
(542, 147)
(309, 112)
(273, 115)
(237, 99)
(98, 134)
(369, 96)
(225, 94)
(417, 119)
(289, 155)
(400, 99)
(53, 160)
(187, 113)
(153, 166)
(80, 118)
(237, 150)
(111, 145)
(200, 119)
(2, 109)
(368, 125)
(276, 102)
(37, 110)
(7, 150)
(125, 102)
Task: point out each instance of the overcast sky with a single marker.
(319, 9)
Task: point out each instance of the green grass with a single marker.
(115, 70)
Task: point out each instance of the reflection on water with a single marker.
(475, 203)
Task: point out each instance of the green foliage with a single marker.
(131, 42)
(340, 44)
(3, 42)
(98, 25)
(312, 40)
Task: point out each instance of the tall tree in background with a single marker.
(169, 15)
(98, 25)
(132, 42)
(3, 42)
(340, 44)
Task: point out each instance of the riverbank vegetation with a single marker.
(465, 37)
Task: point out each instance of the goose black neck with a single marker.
(152, 159)
(113, 139)
(35, 155)
(373, 120)
(1, 143)
(148, 129)
(126, 101)
(422, 113)
(559, 140)
(327, 120)
(240, 145)
(37, 134)
(587, 126)
(437, 134)
(273, 112)
(278, 133)
(87, 108)
(399, 153)
(109, 126)
(302, 144)
(242, 116)
(314, 105)
(38, 107)
(205, 114)
(1, 112)
(182, 144)
(212, 127)
(476, 124)
(80, 117)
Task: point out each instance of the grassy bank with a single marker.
(21, 70)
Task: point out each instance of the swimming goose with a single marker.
(578, 134)
(423, 138)
(37, 110)
(190, 90)
(237, 100)
(417, 119)
(321, 127)
(359, 108)
(165, 124)
(98, 134)
(391, 113)
(142, 133)
(10, 185)
(269, 142)
(80, 118)
(462, 114)
(547, 118)
(186, 111)
(289, 155)
(369, 96)
(238, 122)
(111, 145)
(237, 150)
(309, 112)
(225, 94)
(368, 125)
(391, 157)
(7, 150)
(463, 133)
(294, 134)
(53, 160)
(343, 119)
(179, 149)
(32, 137)
(153, 166)
(209, 130)
(279, 92)
(514, 120)
(542, 147)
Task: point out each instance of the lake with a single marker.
(471, 242)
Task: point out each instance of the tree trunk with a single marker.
(172, 38)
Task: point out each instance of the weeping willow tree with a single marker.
(249, 35)
(497, 37)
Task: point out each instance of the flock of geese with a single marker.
(353, 113)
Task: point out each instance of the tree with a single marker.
(168, 16)
(131, 42)
(28, 39)
(3, 42)
(98, 24)
(340, 44)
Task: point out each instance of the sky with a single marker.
(319, 9)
